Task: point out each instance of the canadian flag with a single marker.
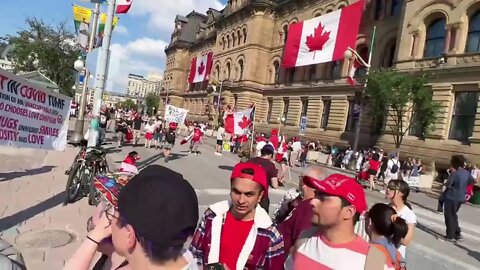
(200, 68)
(238, 123)
(323, 39)
(123, 6)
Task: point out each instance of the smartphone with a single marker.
(215, 266)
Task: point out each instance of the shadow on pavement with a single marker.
(471, 253)
(430, 231)
(13, 175)
(423, 206)
(226, 168)
(174, 156)
(17, 218)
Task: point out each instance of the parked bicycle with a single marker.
(89, 162)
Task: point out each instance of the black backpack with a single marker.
(394, 168)
(170, 137)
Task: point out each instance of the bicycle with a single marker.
(89, 162)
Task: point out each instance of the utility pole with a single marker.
(100, 78)
(80, 123)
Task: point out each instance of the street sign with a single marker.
(303, 124)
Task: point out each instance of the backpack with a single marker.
(394, 168)
(398, 263)
(170, 137)
(10, 258)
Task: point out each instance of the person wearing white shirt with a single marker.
(149, 131)
(220, 137)
(393, 167)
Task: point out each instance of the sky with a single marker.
(138, 42)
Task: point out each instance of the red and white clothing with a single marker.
(129, 165)
(149, 129)
(197, 135)
(320, 254)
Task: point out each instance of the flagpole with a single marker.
(102, 69)
(80, 122)
(362, 97)
(253, 129)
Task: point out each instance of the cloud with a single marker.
(161, 16)
(120, 29)
(136, 57)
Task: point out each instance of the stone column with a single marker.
(448, 38)
(314, 111)
(338, 113)
(442, 94)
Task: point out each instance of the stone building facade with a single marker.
(247, 38)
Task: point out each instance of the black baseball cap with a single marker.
(267, 149)
(160, 205)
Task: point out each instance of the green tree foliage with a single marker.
(127, 104)
(153, 102)
(399, 95)
(48, 49)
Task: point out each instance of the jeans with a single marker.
(101, 135)
(451, 218)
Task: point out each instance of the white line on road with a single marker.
(434, 255)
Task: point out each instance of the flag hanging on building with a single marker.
(200, 68)
(323, 39)
(240, 122)
(81, 18)
(123, 6)
(101, 29)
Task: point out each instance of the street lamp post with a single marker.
(349, 53)
(281, 122)
(77, 136)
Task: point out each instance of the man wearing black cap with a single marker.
(157, 211)
(265, 161)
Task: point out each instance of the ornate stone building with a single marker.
(247, 38)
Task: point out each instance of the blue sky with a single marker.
(138, 41)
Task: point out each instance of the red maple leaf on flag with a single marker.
(317, 40)
(201, 68)
(245, 123)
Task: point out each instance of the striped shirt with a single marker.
(320, 254)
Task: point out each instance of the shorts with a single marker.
(372, 172)
(167, 145)
(148, 136)
(220, 142)
(157, 136)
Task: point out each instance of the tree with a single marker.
(127, 104)
(152, 101)
(48, 49)
(399, 95)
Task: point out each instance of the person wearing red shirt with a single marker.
(373, 166)
(238, 233)
(196, 139)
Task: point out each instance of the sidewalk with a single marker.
(32, 215)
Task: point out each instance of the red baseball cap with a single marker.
(259, 174)
(342, 186)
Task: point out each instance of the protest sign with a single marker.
(32, 116)
(174, 114)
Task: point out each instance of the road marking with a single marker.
(429, 252)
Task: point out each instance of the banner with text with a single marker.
(174, 114)
(32, 116)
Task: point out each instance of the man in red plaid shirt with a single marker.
(238, 233)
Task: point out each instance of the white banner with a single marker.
(32, 116)
(174, 114)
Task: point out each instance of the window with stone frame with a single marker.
(304, 108)
(269, 111)
(327, 103)
(379, 8)
(276, 70)
(473, 39)
(353, 115)
(286, 104)
(463, 116)
(240, 69)
(396, 8)
(435, 39)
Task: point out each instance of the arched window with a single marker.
(363, 52)
(435, 40)
(276, 70)
(228, 71)
(223, 42)
(233, 39)
(379, 7)
(228, 41)
(244, 35)
(217, 72)
(473, 41)
(389, 54)
(240, 66)
(285, 34)
(239, 37)
(396, 8)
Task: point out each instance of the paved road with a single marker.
(32, 202)
(209, 175)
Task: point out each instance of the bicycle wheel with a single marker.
(74, 182)
(93, 195)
